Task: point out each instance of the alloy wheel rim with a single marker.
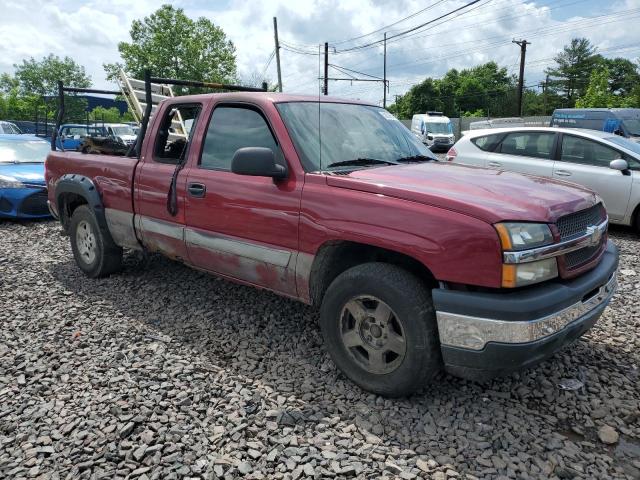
(86, 242)
(372, 334)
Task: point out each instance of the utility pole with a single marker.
(275, 34)
(326, 69)
(384, 75)
(523, 52)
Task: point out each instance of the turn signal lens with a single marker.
(521, 274)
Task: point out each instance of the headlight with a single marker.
(522, 236)
(9, 182)
(521, 274)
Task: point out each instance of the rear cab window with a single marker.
(173, 137)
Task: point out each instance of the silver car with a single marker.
(605, 163)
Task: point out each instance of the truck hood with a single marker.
(489, 195)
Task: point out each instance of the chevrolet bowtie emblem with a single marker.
(595, 234)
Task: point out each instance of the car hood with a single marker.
(490, 195)
(127, 137)
(30, 173)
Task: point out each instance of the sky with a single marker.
(89, 32)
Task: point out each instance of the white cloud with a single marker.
(89, 32)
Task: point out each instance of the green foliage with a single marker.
(573, 66)
(41, 77)
(173, 45)
(599, 93)
(109, 115)
(487, 88)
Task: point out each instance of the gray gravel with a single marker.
(164, 372)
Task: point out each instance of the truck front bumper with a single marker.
(483, 335)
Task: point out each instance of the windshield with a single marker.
(632, 126)
(348, 132)
(23, 152)
(127, 130)
(9, 128)
(625, 143)
(433, 127)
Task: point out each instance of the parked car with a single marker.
(9, 128)
(621, 121)
(497, 123)
(416, 265)
(607, 164)
(434, 130)
(121, 132)
(23, 192)
(71, 135)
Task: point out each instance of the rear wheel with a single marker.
(380, 329)
(94, 252)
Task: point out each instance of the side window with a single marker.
(232, 128)
(486, 143)
(586, 152)
(172, 141)
(528, 144)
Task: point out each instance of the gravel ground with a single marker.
(163, 372)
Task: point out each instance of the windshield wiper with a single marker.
(361, 161)
(415, 158)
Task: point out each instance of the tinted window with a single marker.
(232, 128)
(528, 144)
(172, 142)
(587, 152)
(486, 143)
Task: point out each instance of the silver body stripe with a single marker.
(161, 227)
(219, 243)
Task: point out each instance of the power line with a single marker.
(378, 42)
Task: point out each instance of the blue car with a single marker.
(71, 135)
(23, 192)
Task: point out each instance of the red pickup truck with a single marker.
(416, 265)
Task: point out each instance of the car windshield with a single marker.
(626, 143)
(632, 126)
(127, 130)
(23, 151)
(433, 127)
(9, 128)
(348, 132)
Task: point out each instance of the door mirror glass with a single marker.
(619, 164)
(257, 161)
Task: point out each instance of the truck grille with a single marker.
(35, 204)
(575, 224)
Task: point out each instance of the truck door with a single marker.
(160, 227)
(243, 227)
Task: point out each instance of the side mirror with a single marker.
(258, 162)
(620, 164)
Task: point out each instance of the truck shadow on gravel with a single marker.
(277, 342)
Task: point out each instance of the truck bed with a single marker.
(112, 175)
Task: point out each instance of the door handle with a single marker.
(563, 173)
(495, 164)
(197, 190)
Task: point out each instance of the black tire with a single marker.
(94, 251)
(412, 313)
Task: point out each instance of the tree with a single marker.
(598, 93)
(109, 115)
(574, 65)
(41, 77)
(173, 45)
(623, 75)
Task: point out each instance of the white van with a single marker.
(121, 131)
(434, 130)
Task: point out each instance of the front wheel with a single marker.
(94, 252)
(380, 329)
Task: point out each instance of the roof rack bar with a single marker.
(91, 90)
(215, 85)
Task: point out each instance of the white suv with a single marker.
(605, 163)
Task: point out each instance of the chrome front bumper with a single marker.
(473, 333)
